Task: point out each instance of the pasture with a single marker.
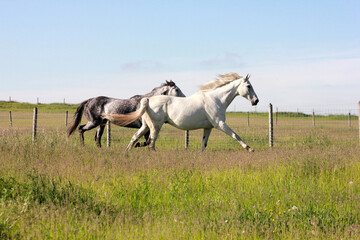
(306, 187)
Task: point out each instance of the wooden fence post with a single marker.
(313, 117)
(349, 120)
(108, 142)
(34, 123)
(248, 119)
(271, 137)
(66, 118)
(10, 118)
(187, 139)
(359, 119)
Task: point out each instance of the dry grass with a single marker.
(290, 130)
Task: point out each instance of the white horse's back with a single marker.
(183, 113)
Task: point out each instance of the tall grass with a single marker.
(55, 188)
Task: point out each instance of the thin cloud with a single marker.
(140, 65)
(344, 55)
(227, 59)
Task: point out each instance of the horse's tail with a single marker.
(125, 119)
(77, 118)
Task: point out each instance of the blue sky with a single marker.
(299, 53)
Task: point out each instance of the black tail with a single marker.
(77, 118)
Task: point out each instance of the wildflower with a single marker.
(277, 202)
(294, 208)
(273, 220)
(351, 182)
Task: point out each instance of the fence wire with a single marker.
(319, 127)
(304, 127)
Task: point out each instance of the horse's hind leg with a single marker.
(81, 133)
(98, 135)
(143, 144)
(143, 130)
(84, 128)
(154, 133)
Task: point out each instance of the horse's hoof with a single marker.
(249, 149)
(140, 144)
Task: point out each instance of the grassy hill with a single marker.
(51, 107)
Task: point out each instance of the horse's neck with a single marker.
(227, 93)
(155, 92)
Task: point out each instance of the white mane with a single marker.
(220, 81)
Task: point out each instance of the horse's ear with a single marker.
(167, 83)
(247, 77)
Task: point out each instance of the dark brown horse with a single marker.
(94, 108)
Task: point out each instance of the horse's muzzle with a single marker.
(254, 102)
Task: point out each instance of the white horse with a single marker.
(205, 109)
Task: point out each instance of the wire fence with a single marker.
(309, 126)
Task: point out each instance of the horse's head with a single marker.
(171, 89)
(247, 91)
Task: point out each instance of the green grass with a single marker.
(54, 188)
(61, 107)
(287, 115)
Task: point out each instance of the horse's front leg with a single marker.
(144, 129)
(222, 126)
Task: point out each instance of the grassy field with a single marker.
(306, 187)
(54, 188)
(290, 129)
